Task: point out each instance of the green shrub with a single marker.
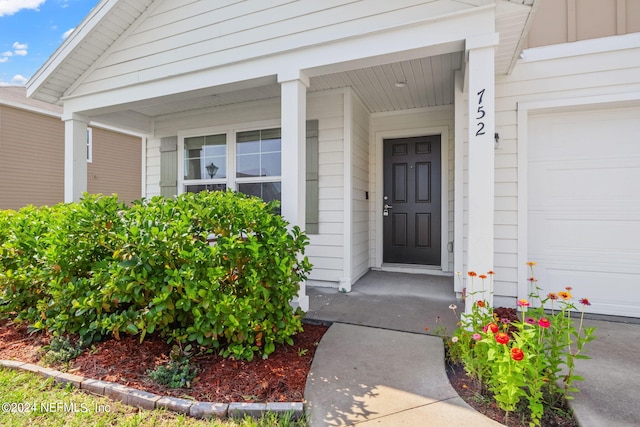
(61, 350)
(97, 267)
(22, 260)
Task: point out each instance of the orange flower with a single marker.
(482, 276)
(531, 263)
(569, 288)
(552, 296)
(565, 295)
(472, 274)
(491, 272)
(480, 303)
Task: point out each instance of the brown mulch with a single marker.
(280, 378)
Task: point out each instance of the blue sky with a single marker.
(31, 30)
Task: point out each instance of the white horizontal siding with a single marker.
(360, 206)
(326, 250)
(185, 36)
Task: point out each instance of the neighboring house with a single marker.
(432, 136)
(32, 155)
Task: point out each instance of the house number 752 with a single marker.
(481, 114)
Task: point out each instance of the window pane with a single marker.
(271, 145)
(205, 157)
(248, 165)
(271, 165)
(207, 187)
(267, 191)
(258, 153)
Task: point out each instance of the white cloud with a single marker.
(3, 59)
(19, 80)
(9, 7)
(20, 49)
(67, 33)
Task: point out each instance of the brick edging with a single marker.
(142, 399)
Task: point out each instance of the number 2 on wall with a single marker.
(481, 114)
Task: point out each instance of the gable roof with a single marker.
(96, 42)
(106, 22)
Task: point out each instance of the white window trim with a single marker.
(89, 145)
(230, 131)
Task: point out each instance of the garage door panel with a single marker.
(599, 287)
(578, 232)
(584, 206)
(575, 135)
(594, 180)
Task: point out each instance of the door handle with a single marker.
(386, 206)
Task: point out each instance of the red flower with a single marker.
(552, 296)
(491, 272)
(569, 288)
(517, 354)
(544, 323)
(585, 301)
(502, 338)
(490, 327)
(472, 274)
(480, 303)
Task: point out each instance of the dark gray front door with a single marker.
(412, 200)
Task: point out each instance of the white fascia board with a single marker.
(437, 35)
(69, 45)
(583, 47)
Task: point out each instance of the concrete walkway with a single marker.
(401, 302)
(378, 366)
(369, 376)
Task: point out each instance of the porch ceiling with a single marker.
(428, 83)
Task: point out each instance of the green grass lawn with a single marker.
(44, 403)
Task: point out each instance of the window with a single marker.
(256, 168)
(258, 163)
(205, 163)
(89, 145)
(248, 161)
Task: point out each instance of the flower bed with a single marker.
(528, 359)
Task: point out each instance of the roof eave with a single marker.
(43, 75)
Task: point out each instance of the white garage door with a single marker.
(584, 206)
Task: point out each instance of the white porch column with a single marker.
(75, 157)
(481, 116)
(293, 124)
